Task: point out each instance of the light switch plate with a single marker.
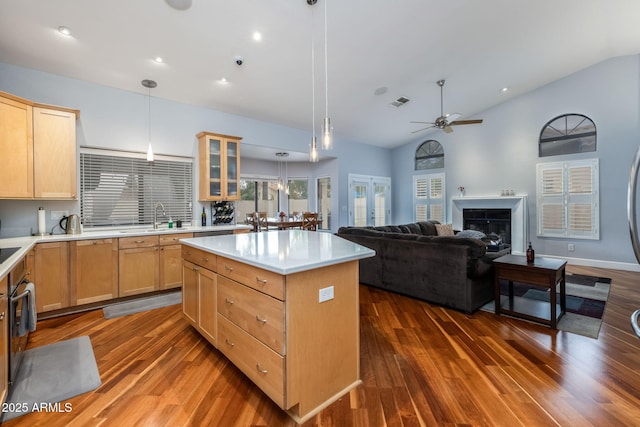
(326, 294)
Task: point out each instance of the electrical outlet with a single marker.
(59, 214)
(571, 247)
(325, 294)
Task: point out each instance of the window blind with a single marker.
(122, 188)
(428, 197)
(568, 200)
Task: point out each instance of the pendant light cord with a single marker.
(326, 67)
(313, 78)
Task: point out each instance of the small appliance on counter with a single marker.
(71, 224)
(222, 213)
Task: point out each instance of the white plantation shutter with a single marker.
(568, 199)
(429, 197)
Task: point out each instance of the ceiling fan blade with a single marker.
(420, 130)
(465, 122)
(452, 117)
(426, 123)
(447, 129)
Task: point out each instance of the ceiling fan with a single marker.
(445, 122)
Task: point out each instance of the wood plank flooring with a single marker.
(422, 365)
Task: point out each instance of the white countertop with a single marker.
(283, 252)
(27, 243)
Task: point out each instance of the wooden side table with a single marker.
(544, 273)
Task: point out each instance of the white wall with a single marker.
(502, 153)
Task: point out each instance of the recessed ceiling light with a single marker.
(504, 89)
(158, 60)
(64, 30)
(257, 36)
(223, 80)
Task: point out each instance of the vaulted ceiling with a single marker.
(377, 51)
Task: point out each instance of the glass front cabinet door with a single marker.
(219, 166)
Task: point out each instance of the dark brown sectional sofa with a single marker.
(411, 259)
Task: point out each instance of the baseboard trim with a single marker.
(613, 265)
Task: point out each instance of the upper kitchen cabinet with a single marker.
(16, 147)
(40, 140)
(219, 164)
(54, 154)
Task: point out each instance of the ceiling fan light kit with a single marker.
(445, 121)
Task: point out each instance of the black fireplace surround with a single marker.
(494, 222)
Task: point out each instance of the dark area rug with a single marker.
(50, 374)
(586, 300)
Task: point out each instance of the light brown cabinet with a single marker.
(138, 265)
(171, 260)
(16, 143)
(51, 276)
(41, 141)
(301, 352)
(219, 166)
(199, 298)
(54, 154)
(93, 270)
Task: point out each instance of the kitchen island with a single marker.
(283, 307)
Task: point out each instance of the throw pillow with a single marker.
(473, 234)
(444, 229)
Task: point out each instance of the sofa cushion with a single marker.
(428, 228)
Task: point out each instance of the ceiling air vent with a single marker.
(400, 101)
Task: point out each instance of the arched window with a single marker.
(567, 134)
(429, 155)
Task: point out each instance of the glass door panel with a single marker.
(324, 203)
(369, 201)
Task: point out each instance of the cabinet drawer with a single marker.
(137, 242)
(262, 365)
(198, 257)
(172, 239)
(262, 280)
(259, 314)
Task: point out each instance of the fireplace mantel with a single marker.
(517, 204)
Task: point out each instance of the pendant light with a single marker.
(283, 180)
(149, 84)
(327, 137)
(313, 150)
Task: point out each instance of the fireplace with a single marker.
(490, 221)
(516, 205)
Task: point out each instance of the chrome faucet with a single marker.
(155, 214)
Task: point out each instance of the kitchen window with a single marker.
(120, 188)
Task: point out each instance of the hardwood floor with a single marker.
(422, 365)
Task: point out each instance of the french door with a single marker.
(369, 200)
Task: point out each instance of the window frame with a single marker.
(564, 206)
(424, 202)
(168, 180)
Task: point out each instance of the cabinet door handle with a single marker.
(94, 242)
(229, 342)
(263, 321)
(229, 301)
(262, 281)
(205, 259)
(226, 267)
(138, 241)
(1, 316)
(195, 268)
(262, 371)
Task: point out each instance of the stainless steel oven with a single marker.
(18, 334)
